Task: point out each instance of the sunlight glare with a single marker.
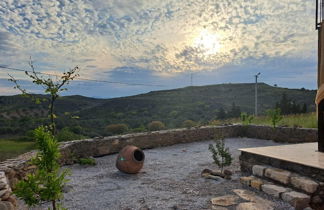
(207, 41)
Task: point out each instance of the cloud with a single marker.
(154, 35)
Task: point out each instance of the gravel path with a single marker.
(170, 179)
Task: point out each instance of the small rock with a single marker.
(2, 192)
(6, 205)
(226, 200)
(3, 185)
(246, 180)
(304, 183)
(6, 195)
(12, 199)
(252, 206)
(296, 199)
(206, 171)
(258, 170)
(218, 208)
(317, 199)
(273, 190)
(245, 194)
(256, 183)
(208, 176)
(279, 175)
(228, 172)
(251, 196)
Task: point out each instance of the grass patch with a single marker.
(10, 148)
(308, 120)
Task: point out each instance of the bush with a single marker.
(189, 124)
(66, 134)
(117, 128)
(139, 129)
(156, 126)
(221, 155)
(275, 116)
(246, 118)
(87, 161)
(46, 184)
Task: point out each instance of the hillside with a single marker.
(198, 103)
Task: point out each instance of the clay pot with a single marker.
(130, 159)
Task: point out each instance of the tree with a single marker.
(221, 114)
(304, 109)
(235, 111)
(117, 128)
(189, 124)
(275, 116)
(220, 154)
(156, 126)
(46, 184)
(54, 88)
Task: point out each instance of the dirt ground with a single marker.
(170, 179)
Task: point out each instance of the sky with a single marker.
(156, 45)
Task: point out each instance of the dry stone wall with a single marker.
(16, 169)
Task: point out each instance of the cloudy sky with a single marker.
(159, 44)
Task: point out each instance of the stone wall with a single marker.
(280, 134)
(16, 169)
(109, 145)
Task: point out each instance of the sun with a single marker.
(208, 42)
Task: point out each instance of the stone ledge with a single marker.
(296, 199)
(279, 175)
(273, 190)
(258, 170)
(304, 183)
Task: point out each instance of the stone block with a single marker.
(256, 183)
(6, 205)
(252, 206)
(258, 170)
(3, 185)
(273, 190)
(304, 183)
(3, 192)
(279, 175)
(296, 199)
(226, 200)
(246, 180)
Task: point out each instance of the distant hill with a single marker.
(197, 103)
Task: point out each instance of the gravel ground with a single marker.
(170, 179)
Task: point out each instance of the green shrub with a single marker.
(156, 126)
(246, 118)
(46, 184)
(66, 134)
(275, 116)
(117, 128)
(139, 129)
(87, 161)
(189, 124)
(221, 155)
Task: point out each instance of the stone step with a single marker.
(300, 183)
(298, 200)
